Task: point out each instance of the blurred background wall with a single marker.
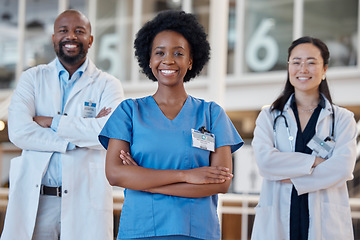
(247, 70)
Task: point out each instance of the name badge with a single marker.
(203, 140)
(89, 109)
(322, 148)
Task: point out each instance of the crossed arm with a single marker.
(122, 170)
(45, 122)
(317, 161)
(307, 172)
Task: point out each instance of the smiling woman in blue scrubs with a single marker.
(170, 151)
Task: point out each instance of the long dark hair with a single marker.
(280, 102)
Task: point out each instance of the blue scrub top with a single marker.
(160, 143)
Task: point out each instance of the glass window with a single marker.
(152, 7)
(334, 22)
(40, 17)
(201, 8)
(114, 26)
(231, 37)
(8, 42)
(268, 28)
(78, 5)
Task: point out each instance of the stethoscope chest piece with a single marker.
(330, 138)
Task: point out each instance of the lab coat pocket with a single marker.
(100, 189)
(336, 222)
(263, 223)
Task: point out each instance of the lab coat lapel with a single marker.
(326, 111)
(53, 85)
(290, 115)
(86, 79)
(325, 120)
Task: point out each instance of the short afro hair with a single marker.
(178, 21)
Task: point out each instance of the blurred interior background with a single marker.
(247, 70)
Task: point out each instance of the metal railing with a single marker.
(244, 206)
(229, 203)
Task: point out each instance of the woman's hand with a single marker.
(317, 161)
(201, 175)
(206, 175)
(127, 159)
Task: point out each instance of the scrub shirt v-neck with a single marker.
(160, 143)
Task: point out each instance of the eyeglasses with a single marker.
(309, 64)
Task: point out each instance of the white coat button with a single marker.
(37, 185)
(65, 191)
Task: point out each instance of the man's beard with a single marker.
(71, 59)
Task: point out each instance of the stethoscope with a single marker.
(291, 138)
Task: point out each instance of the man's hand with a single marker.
(104, 112)
(286, 181)
(44, 122)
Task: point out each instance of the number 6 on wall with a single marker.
(260, 40)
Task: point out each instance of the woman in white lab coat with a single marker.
(305, 148)
(86, 201)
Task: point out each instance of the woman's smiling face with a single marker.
(170, 58)
(306, 68)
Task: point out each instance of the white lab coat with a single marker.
(87, 203)
(329, 208)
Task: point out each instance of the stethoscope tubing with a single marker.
(291, 138)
